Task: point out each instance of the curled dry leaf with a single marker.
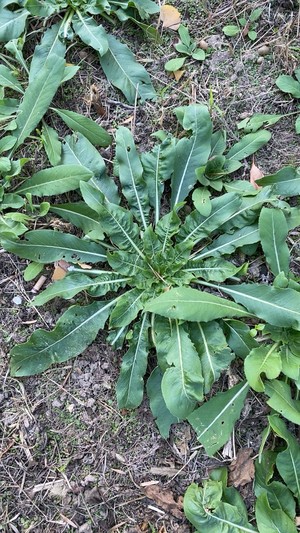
(255, 174)
(170, 17)
(60, 270)
(164, 499)
(241, 470)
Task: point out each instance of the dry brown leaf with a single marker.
(170, 17)
(60, 270)
(85, 266)
(241, 470)
(178, 74)
(255, 174)
(164, 499)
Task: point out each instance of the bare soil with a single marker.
(70, 460)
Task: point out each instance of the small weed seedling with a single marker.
(246, 26)
(220, 508)
(186, 46)
(290, 85)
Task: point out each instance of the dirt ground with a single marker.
(70, 460)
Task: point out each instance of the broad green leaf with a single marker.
(127, 308)
(90, 33)
(118, 223)
(212, 348)
(279, 307)
(272, 520)
(8, 109)
(123, 71)
(32, 271)
(158, 166)
(262, 360)
(288, 460)
(297, 125)
(97, 135)
(239, 337)
(162, 333)
(41, 8)
(47, 246)
(286, 182)
(82, 217)
(130, 385)
(51, 144)
(174, 64)
(74, 331)
(15, 47)
(182, 383)
(55, 180)
(12, 23)
(199, 54)
(163, 418)
(218, 143)
(248, 145)
(279, 496)
(11, 200)
(50, 44)
(204, 508)
(258, 120)
(288, 84)
(214, 269)
(130, 172)
(38, 97)
(185, 303)
(231, 30)
(228, 243)
(201, 199)
(8, 79)
(72, 284)
(78, 149)
(197, 226)
(280, 399)
(290, 363)
(214, 420)
(191, 153)
(273, 231)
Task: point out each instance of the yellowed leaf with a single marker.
(178, 74)
(170, 17)
(255, 174)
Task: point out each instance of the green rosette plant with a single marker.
(170, 280)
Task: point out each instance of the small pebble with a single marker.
(203, 44)
(17, 300)
(260, 60)
(263, 50)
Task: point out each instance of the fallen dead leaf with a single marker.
(178, 74)
(60, 270)
(165, 499)
(170, 17)
(297, 521)
(255, 174)
(85, 266)
(241, 470)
